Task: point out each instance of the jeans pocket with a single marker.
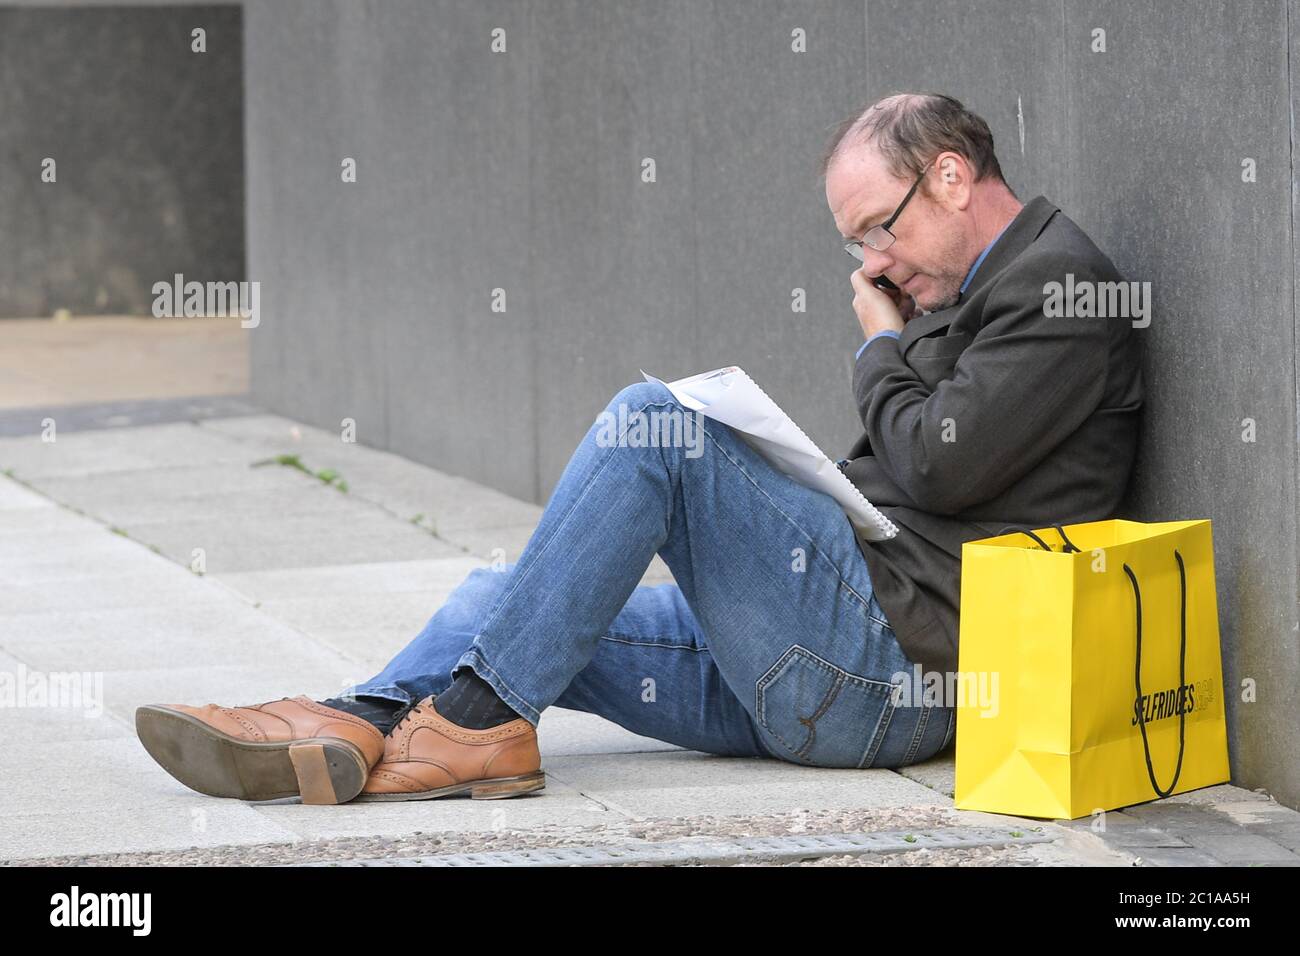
(821, 714)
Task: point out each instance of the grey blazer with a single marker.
(991, 413)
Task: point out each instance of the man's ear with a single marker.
(954, 179)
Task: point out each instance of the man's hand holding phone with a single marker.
(880, 308)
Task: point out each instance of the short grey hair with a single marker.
(910, 129)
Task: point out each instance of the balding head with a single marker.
(911, 129)
(962, 202)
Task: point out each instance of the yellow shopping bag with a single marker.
(1101, 641)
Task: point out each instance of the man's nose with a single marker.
(875, 263)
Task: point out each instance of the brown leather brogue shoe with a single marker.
(427, 756)
(284, 748)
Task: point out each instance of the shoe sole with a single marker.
(322, 770)
(495, 789)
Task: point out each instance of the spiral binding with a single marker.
(872, 511)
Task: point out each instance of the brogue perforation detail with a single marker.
(248, 725)
(401, 779)
(493, 735)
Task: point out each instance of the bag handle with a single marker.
(1182, 673)
(1067, 547)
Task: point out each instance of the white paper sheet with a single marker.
(730, 396)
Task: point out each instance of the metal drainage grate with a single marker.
(723, 851)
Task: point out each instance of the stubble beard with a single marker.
(948, 294)
(948, 281)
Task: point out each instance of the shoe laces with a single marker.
(400, 717)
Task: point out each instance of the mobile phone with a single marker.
(882, 282)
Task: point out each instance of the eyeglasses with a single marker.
(879, 237)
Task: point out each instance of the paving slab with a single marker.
(38, 521)
(274, 434)
(480, 520)
(158, 638)
(1283, 834)
(1135, 837)
(939, 773)
(1178, 818)
(369, 611)
(171, 445)
(1244, 849)
(404, 487)
(251, 542)
(15, 497)
(1215, 795)
(69, 558)
(128, 498)
(557, 805)
(71, 776)
(563, 733)
(434, 577)
(100, 795)
(1176, 856)
(212, 823)
(368, 628)
(506, 545)
(137, 590)
(1248, 813)
(23, 721)
(681, 782)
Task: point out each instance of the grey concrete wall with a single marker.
(521, 171)
(147, 137)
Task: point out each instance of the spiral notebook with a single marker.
(730, 396)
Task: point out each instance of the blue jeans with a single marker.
(770, 644)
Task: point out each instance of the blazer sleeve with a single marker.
(1021, 387)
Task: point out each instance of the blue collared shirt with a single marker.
(970, 275)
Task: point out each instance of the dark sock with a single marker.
(471, 702)
(380, 711)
